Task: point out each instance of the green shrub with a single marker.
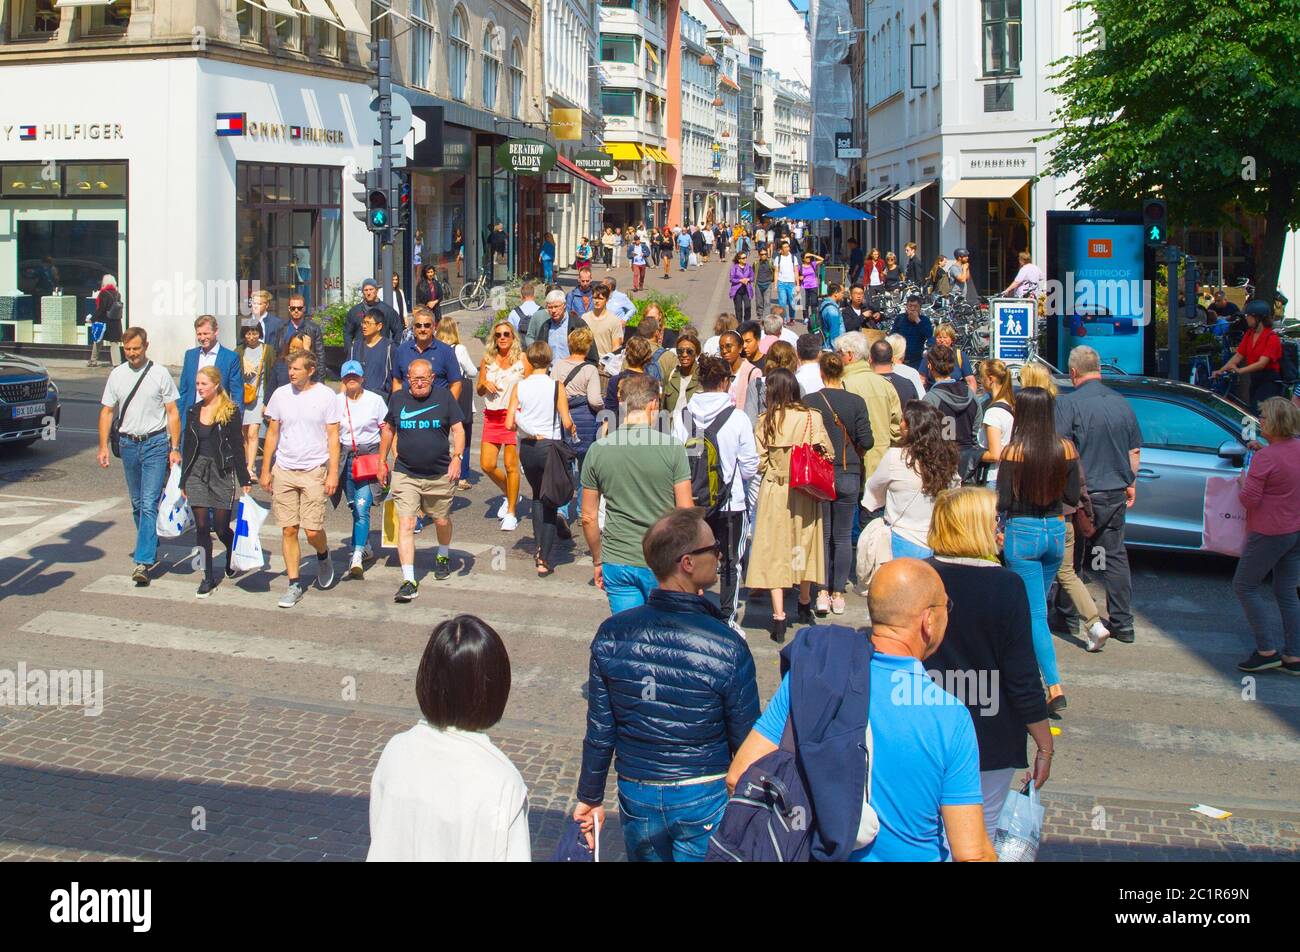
(332, 316)
(674, 317)
(490, 317)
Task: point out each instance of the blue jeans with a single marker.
(685, 257)
(903, 549)
(1034, 548)
(669, 824)
(785, 298)
(360, 496)
(576, 505)
(627, 586)
(146, 467)
(548, 271)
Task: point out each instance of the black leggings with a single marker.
(532, 459)
(742, 305)
(837, 528)
(203, 534)
(728, 530)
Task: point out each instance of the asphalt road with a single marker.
(1166, 721)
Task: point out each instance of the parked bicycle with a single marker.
(474, 294)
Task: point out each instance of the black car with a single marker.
(29, 400)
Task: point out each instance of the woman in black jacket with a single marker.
(428, 293)
(845, 416)
(213, 466)
(986, 659)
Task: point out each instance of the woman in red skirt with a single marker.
(504, 365)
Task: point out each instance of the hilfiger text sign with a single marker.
(62, 132)
(238, 124)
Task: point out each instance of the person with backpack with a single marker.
(724, 460)
(582, 387)
(830, 320)
(909, 792)
(670, 754)
(954, 399)
(108, 311)
(1038, 476)
(844, 415)
(788, 538)
(683, 380)
(521, 315)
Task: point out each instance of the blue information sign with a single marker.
(1015, 323)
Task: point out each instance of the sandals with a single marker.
(543, 570)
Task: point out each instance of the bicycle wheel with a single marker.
(473, 296)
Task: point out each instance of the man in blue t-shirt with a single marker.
(925, 768)
(424, 346)
(915, 328)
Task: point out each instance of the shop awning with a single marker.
(650, 52)
(320, 10)
(623, 151)
(908, 192)
(762, 150)
(870, 195)
(284, 8)
(351, 18)
(726, 80)
(767, 201)
(992, 189)
(576, 172)
(83, 3)
(659, 155)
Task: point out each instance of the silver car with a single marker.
(1188, 434)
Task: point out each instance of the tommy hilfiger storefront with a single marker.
(191, 181)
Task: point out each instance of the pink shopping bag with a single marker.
(1224, 528)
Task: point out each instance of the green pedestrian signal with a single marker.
(1155, 234)
(377, 210)
(1155, 222)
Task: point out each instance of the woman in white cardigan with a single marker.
(442, 791)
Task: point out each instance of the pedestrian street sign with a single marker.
(1014, 325)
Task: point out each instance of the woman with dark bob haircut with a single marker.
(442, 791)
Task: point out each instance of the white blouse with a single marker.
(897, 487)
(447, 795)
(504, 379)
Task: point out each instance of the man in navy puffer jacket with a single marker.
(672, 695)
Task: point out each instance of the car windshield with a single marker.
(1238, 417)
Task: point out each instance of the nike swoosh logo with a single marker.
(412, 416)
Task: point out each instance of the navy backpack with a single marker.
(819, 771)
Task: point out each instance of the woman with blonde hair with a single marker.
(999, 416)
(502, 368)
(1038, 375)
(989, 637)
(449, 333)
(963, 370)
(788, 544)
(213, 467)
(724, 323)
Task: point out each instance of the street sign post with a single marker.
(1015, 324)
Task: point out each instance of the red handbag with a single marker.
(811, 473)
(364, 465)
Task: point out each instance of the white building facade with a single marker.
(786, 126)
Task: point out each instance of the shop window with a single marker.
(252, 22)
(99, 181)
(109, 19)
(618, 102)
(21, 181)
(618, 49)
(421, 44)
(491, 69)
(1001, 37)
(516, 79)
(458, 57)
(36, 19)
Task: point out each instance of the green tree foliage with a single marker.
(1194, 101)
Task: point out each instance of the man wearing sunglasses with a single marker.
(298, 326)
(672, 749)
(424, 346)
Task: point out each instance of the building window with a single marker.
(618, 102)
(458, 59)
(1001, 37)
(381, 24)
(516, 79)
(491, 69)
(620, 4)
(288, 31)
(252, 22)
(37, 19)
(617, 49)
(421, 44)
(326, 38)
(112, 18)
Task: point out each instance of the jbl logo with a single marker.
(1099, 248)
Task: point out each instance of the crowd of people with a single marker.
(762, 459)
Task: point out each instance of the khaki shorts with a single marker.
(414, 495)
(298, 497)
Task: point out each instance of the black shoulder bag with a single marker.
(114, 432)
(557, 476)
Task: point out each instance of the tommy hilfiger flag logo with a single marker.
(26, 133)
(230, 123)
(295, 133)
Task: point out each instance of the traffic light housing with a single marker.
(1155, 222)
(404, 203)
(377, 210)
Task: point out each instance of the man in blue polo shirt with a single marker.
(424, 346)
(925, 770)
(915, 328)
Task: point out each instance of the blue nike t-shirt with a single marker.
(423, 428)
(926, 757)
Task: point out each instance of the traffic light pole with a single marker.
(1172, 257)
(384, 237)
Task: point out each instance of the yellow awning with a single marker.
(623, 151)
(659, 155)
(650, 52)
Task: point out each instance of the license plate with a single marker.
(25, 410)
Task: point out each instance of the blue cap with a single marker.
(370, 281)
(353, 368)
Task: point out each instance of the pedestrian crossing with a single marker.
(46, 518)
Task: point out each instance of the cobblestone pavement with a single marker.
(169, 775)
(232, 714)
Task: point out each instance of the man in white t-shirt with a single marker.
(787, 270)
(142, 397)
(300, 466)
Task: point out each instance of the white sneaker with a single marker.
(509, 523)
(505, 508)
(1097, 635)
(354, 567)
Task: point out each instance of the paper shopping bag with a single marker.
(1224, 527)
(390, 523)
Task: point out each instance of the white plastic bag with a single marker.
(694, 260)
(175, 517)
(249, 517)
(875, 548)
(1020, 827)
